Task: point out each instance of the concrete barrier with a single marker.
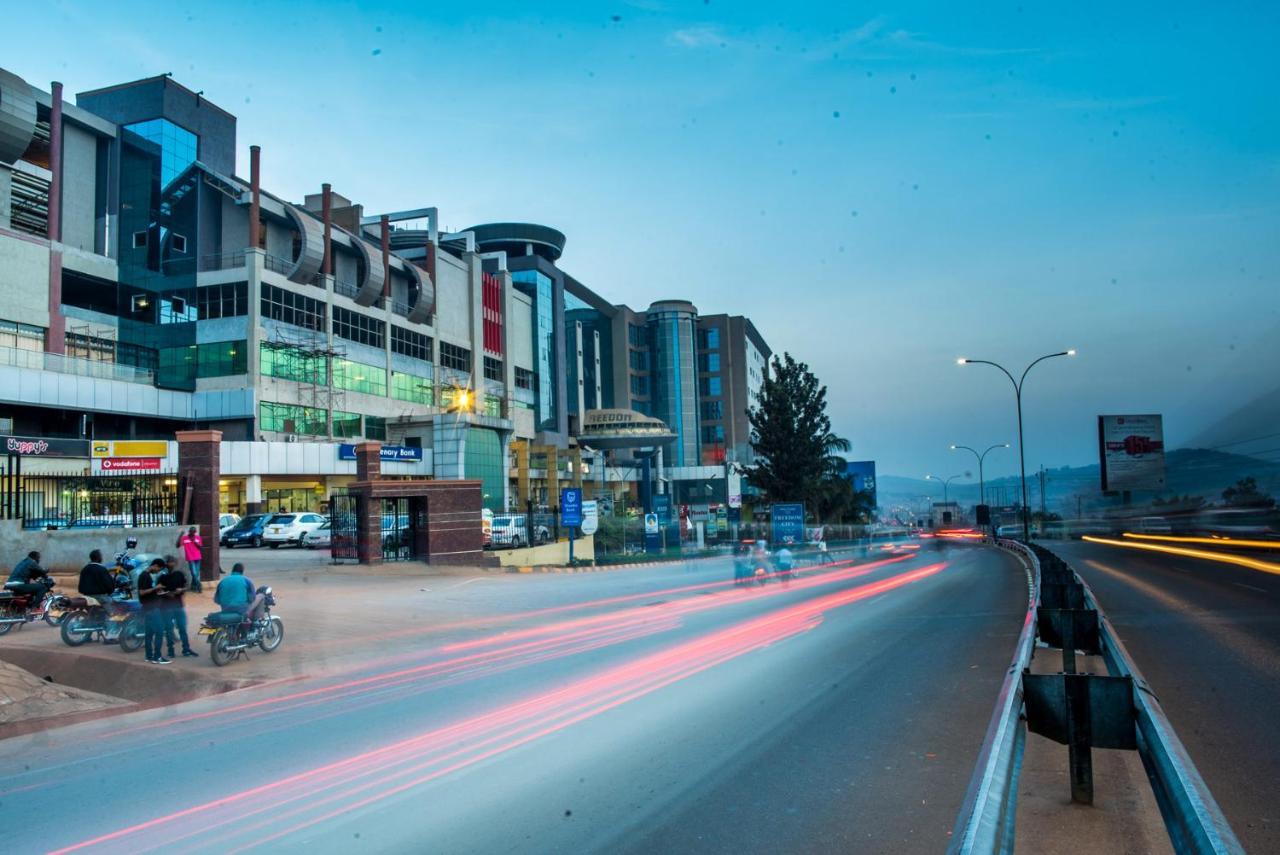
(584, 549)
(67, 550)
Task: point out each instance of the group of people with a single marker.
(160, 587)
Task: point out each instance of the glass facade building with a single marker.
(674, 386)
(486, 460)
(589, 356)
(540, 287)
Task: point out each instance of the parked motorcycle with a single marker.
(231, 634)
(85, 622)
(17, 609)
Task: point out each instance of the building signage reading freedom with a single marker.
(1131, 452)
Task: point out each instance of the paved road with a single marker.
(1206, 636)
(639, 710)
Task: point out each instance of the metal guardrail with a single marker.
(987, 817)
(60, 364)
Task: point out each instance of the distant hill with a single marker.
(1188, 471)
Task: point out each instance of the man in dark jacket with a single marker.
(96, 581)
(173, 584)
(153, 615)
(28, 577)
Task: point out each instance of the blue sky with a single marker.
(880, 189)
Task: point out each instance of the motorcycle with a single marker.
(18, 609)
(231, 634)
(85, 622)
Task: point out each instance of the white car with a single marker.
(321, 538)
(512, 530)
(226, 522)
(290, 528)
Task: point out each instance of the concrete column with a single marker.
(56, 338)
(253, 494)
(199, 464)
(385, 224)
(326, 213)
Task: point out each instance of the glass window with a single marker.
(708, 362)
(177, 368)
(346, 424)
(291, 418)
(486, 461)
(712, 434)
(292, 363)
(493, 406)
(91, 347)
(524, 378)
(452, 356)
(222, 358)
(410, 387)
(359, 377)
(639, 385)
(410, 343)
(359, 328)
(287, 307)
(712, 411)
(178, 147)
(493, 369)
(21, 336)
(222, 301)
(709, 338)
(709, 386)
(638, 360)
(375, 427)
(635, 335)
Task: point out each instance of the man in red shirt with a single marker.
(192, 550)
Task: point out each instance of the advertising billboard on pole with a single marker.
(1131, 452)
(863, 475)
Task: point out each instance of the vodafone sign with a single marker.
(129, 464)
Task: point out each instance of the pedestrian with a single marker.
(174, 584)
(192, 550)
(153, 616)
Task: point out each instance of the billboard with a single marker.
(787, 522)
(863, 475)
(1131, 452)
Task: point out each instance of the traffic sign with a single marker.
(650, 523)
(590, 518)
(571, 506)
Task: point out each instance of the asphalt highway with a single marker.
(640, 710)
(1206, 635)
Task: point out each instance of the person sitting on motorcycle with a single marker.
(786, 561)
(29, 578)
(235, 593)
(96, 581)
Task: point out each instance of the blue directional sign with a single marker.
(571, 506)
(788, 522)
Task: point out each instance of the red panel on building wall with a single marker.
(491, 287)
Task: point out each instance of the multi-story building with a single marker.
(147, 286)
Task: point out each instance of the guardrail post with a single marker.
(1079, 737)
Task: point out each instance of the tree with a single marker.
(1245, 494)
(797, 454)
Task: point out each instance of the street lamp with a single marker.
(982, 483)
(945, 483)
(1017, 391)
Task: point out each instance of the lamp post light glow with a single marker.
(1017, 392)
(982, 482)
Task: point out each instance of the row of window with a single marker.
(293, 363)
(411, 388)
(409, 343)
(455, 357)
(638, 359)
(359, 377)
(311, 421)
(181, 366)
(290, 308)
(639, 385)
(21, 336)
(712, 434)
(230, 300)
(709, 362)
(709, 387)
(359, 328)
(709, 338)
(493, 369)
(524, 378)
(712, 411)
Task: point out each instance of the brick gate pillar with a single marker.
(368, 472)
(199, 465)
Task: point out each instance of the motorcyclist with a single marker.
(29, 578)
(235, 593)
(785, 560)
(742, 564)
(96, 581)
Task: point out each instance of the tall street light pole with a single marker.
(1017, 391)
(946, 482)
(982, 482)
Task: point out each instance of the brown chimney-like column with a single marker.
(55, 338)
(386, 256)
(255, 188)
(431, 261)
(326, 213)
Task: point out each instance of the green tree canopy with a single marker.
(797, 454)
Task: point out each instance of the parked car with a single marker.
(486, 527)
(513, 530)
(44, 523)
(247, 532)
(290, 528)
(321, 538)
(226, 522)
(97, 522)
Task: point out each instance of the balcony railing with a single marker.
(40, 361)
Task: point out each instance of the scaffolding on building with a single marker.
(313, 371)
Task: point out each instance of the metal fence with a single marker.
(76, 500)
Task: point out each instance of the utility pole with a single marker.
(1043, 477)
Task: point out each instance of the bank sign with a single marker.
(34, 446)
(390, 453)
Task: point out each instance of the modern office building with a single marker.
(147, 285)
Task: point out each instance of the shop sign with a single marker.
(129, 464)
(33, 446)
(390, 453)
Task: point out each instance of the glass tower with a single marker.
(674, 375)
(540, 287)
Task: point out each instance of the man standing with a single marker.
(28, 577)
(192, 550)
(153, 615)
(174, 584)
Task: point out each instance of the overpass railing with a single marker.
(1082, 711)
